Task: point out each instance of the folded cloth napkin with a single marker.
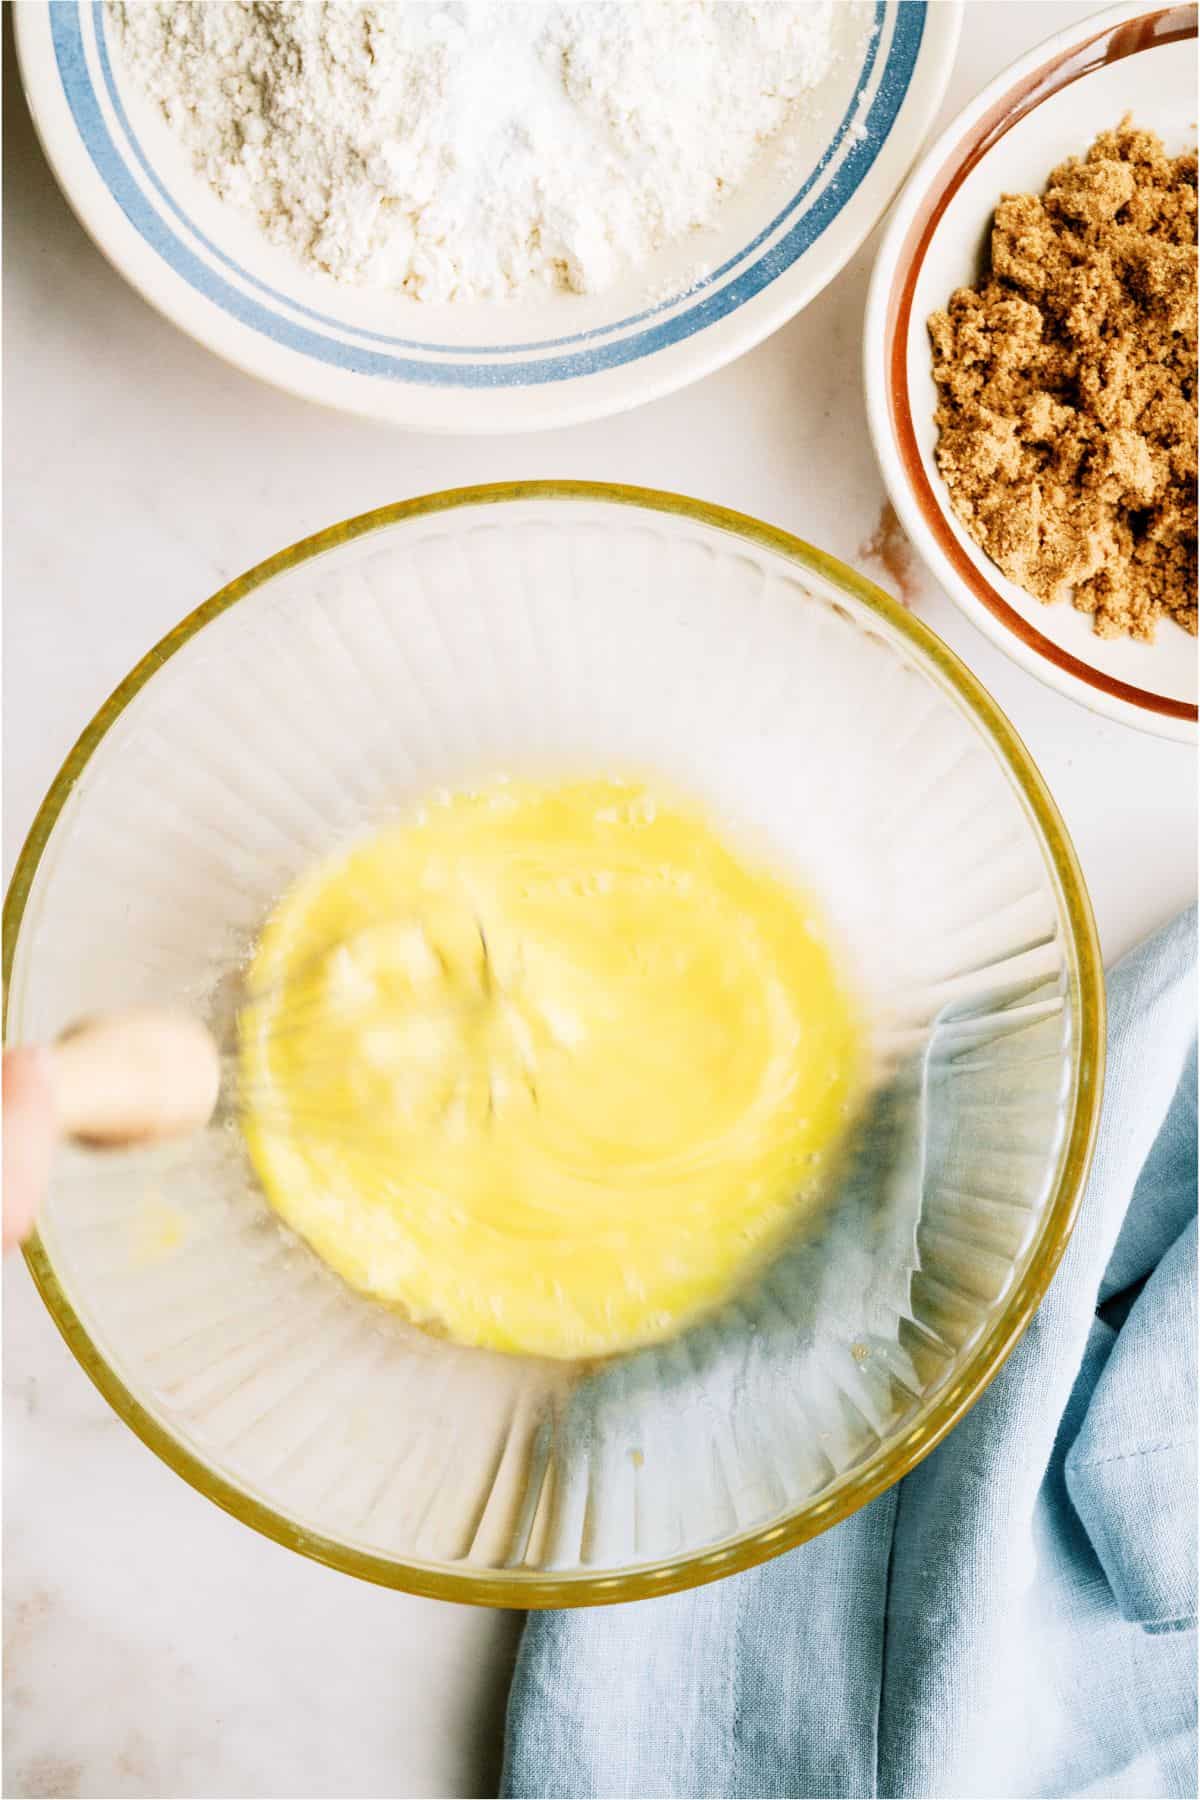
(1018, 1616)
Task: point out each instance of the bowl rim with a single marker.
(1054, 64)
(522, 1589)
(486, 410)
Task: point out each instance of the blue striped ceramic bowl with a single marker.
(487, 366)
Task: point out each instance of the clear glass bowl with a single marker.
(564, 624)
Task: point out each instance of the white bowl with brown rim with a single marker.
(1049, 105)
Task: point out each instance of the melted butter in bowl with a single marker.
(552, 1067)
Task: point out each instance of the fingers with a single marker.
(29, 1132)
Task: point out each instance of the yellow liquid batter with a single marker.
(550, 1067)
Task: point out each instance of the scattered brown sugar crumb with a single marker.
(888, 547)
(1067, 388)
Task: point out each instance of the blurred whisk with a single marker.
(144, 1075)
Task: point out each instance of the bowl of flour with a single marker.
(482, 216)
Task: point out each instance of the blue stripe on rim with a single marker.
(67, 35)
(861, 84)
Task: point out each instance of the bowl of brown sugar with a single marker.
(1030, 347)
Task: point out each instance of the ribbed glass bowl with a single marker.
(558, 624)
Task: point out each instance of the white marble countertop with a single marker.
(153, 1645)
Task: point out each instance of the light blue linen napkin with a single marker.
(1018, 1617)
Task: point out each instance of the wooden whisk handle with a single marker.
(135, 1077)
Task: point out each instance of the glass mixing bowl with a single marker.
(563, 624)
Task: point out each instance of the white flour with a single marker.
(477, 151)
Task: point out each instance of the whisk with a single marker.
(134, 1077)
(144, 1075)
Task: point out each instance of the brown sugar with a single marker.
(1067, 388)
(889, 547)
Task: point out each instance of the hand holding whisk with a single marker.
(125, 1078)
(144, 1075)
(133, 1077)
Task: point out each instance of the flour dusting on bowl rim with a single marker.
(128, 208)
